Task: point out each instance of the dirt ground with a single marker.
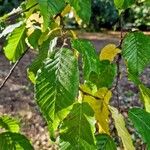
(17, 98)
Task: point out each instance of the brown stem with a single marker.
(88, 94)
(12, 70)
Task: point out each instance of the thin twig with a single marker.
(88, 94)
(118, 64)
(16, 14)
(12, 70)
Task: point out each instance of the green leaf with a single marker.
(90, 59)
(49, 8)
(145, 96)
(106, 75)
(27, 6)
(136, 52)
(77, 129)
(82, 8)
(123, 4)
(16, 44)
(38, 62)
(57, 83)
(9, 124)
(105, 142)
(141, 121)
(34, 37)
(14, 141)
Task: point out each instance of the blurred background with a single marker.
(104, 15)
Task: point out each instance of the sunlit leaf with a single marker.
(16, 46)
(100, 106)
(145, 96)
(109, 52)
(57, 83)
(121, 129)
(9, 124)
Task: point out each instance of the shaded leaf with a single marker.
(105, 142)
(49, 8)
(34, 37)
(16, 46)
(38, 61)
(121, 129)
(90, 59)
(82, 8)
(77, 129)
(141, 121)
(106, 75)
(14, 141)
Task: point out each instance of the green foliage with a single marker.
(81, 5)
(78, 128)
(49, 8)
(14, 141)
(90, 59)
(105, 142)
(57, 83)
(136, 52)
(123, 4)
(9, 124)
(141, 121)
(11, 139)
(16, 45)
(106, 74)
(80, 113)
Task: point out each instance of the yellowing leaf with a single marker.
(145, 96)
(100, 106)
(121, 129)
(33, 19)
(66, 10)
(109, 52)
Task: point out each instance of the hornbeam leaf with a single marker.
(121, 129)
(82, 8)
(90, 59)
(49, 8)
(100, 106)
(106, 75)
(14, 141)
(136, 51)
(141, 121)
(123, 4)
(77, 130)
(57, 83)
(9, 124)
(145, 96)
(109, 52)
(16, 44)
(105, 142)
(38, 61)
